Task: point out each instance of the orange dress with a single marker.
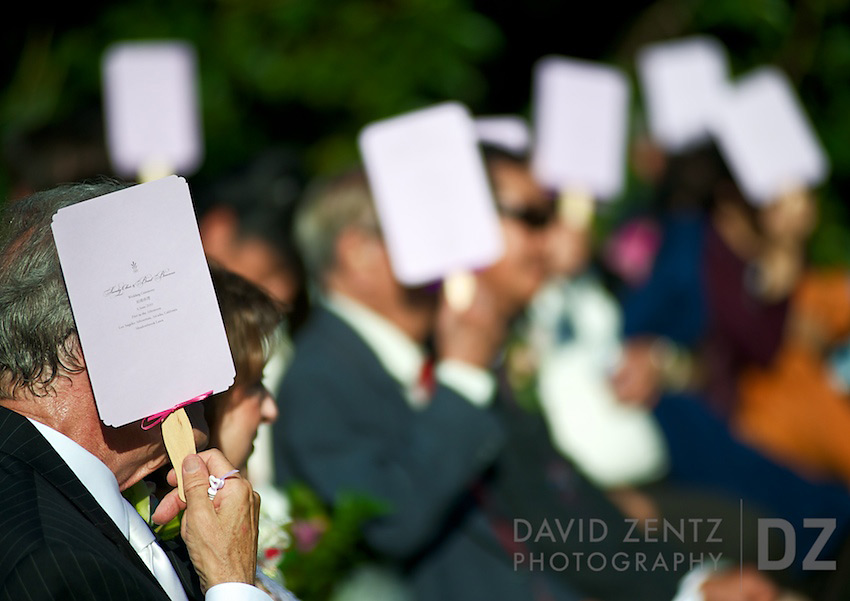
(792, 409)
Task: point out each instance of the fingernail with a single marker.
(191, 464)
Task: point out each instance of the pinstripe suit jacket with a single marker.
(56, 542)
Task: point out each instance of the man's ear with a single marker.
(357, 250)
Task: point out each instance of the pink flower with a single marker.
(307, 533)
(631, 251)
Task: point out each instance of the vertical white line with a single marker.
(741, 541)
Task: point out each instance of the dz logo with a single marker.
(810, 561)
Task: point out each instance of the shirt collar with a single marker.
(92, 472)
(397, 352)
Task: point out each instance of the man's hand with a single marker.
(474, 335)
(221, 535)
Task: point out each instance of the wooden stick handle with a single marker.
(576, 208)
(459, 289)
(179, 442)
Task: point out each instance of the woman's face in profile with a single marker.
(246, 406)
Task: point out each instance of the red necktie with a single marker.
(426, 383)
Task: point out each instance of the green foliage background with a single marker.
(310, 74)
(304, 73)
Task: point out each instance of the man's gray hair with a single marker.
(329, 208)
(38, 337)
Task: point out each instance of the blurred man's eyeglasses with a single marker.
(535, 218)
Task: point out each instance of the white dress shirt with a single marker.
(101, 483)
(403, 359)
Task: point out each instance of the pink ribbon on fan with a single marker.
(157, 418)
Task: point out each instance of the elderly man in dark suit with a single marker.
(359, 416)
(457, 463)
(65, 530)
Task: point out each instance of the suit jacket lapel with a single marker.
(20, 439)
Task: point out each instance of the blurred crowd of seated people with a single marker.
(689, 364)
(693, 382)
